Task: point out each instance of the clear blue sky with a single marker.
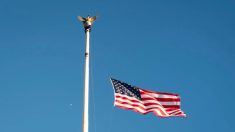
(186, 47)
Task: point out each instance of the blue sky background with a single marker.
(185, 47)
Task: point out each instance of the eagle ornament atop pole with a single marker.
(87, 22)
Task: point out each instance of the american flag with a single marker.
(144, 101)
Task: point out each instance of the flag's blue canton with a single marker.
(126, 89)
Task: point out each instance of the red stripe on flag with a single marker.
(165, 93)
(163, 99)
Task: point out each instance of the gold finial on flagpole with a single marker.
(87, 22)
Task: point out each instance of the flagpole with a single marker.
(87, 22)
(86, 84)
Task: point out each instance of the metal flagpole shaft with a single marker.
(87, 22)
(86, 84)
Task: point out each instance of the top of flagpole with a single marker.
(87, 22)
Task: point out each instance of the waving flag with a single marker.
(144, 101)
